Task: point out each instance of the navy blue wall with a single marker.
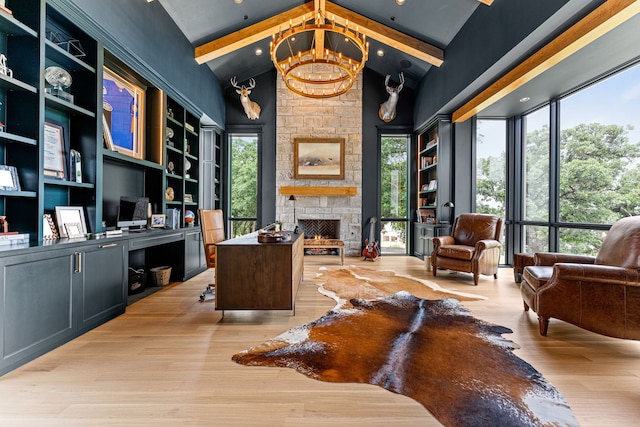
(462, 179)
(237, 121)
(373, 94)
(489, 45)
(143, 36)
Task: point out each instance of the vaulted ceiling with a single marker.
(226, 34)
(414, 38)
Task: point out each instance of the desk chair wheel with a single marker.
(208, 293)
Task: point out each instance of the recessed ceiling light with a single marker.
(258, 52)
(380, 52)
(238, 1)
(400, 2)
(525, 99)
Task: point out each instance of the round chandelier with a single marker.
(318, 59)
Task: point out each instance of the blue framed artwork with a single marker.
(123, 114)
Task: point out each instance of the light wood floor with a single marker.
(167, 362)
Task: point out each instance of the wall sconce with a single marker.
(449, 205)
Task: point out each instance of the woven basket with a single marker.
(160, 275)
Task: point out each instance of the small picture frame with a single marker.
(73, 230)
(158, 220)
(9, 178)
(49, 231)
(70, 215)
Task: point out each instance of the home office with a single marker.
(176, 350)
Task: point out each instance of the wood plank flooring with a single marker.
(167, 362)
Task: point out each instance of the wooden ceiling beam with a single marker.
(393, 38)
(372, 29)
(602, 20)
(487, 2)
(251, 34)
(319, 5)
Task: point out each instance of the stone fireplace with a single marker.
(336, 117)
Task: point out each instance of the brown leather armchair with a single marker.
(473, 247)
(600, 294)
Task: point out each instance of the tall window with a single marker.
(599, 158)
(243, 173)
(491, 167)
(393, 193)
(536, 149)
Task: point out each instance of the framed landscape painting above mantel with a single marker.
(318, 158)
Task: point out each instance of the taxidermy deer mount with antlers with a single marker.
(387, 111)
(251, 108)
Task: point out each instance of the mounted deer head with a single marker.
(252, 109)
(387, 111)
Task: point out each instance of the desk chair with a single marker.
(212, 228)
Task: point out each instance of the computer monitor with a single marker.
(132, 212)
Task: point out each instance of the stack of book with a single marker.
(13, 238)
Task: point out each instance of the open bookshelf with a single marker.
(433, 185)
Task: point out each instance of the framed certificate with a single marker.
(54, 151)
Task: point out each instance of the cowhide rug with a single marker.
(459, 368)
(344, 284)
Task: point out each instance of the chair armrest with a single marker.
(443, 240)
(550, 258)
(592, 273)
(482, 245)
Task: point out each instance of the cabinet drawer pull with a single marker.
(78, 263)
(110, 245)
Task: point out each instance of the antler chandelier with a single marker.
(319, 58)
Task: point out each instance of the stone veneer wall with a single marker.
(338, 117)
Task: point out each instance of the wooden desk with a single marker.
(258, 276)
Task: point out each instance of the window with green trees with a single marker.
(599, 158)
(596, 154)
(243, 173)
(536, 149)
(393, 193)
(491, 163)
(491, 143)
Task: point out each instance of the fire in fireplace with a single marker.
(319, 229)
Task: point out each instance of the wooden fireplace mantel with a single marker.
(318, 191)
